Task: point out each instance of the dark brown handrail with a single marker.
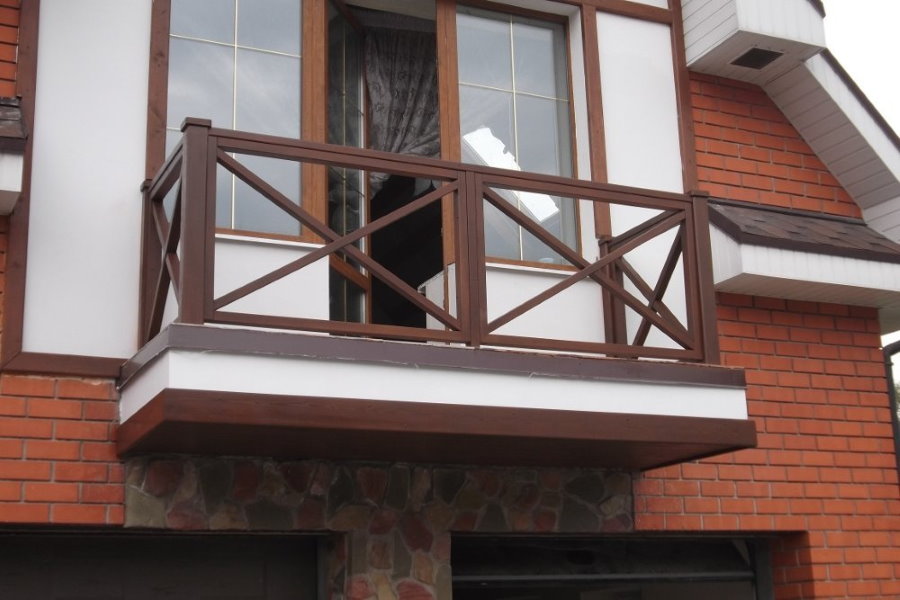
(178, 250)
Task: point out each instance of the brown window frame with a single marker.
(313, 116)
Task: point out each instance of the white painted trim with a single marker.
(855, 112)
(329, 378)
(11, 165)
(795, 275)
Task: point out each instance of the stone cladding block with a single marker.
(394, 521)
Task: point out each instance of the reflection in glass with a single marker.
(237, 63)
(514, 114)
(483, 47)
(268, 93)
(539, 52)
(544, 145)
(486, 112)
(346, 199)
(224, 198)
(203, 19)
(255, 212)
(270, 25)
(201, 77)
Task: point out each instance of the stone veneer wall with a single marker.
(393, 520)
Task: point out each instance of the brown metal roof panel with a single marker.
(12, 127)
(802, 231)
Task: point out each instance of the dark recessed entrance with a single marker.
(144, 567)
(612, 569)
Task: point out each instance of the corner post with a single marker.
(151, 264)
(706, 285)
(193, 289)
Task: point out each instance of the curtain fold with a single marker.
(401, 79)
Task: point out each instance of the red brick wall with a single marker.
(9, 38)
(747, 150)
(824, 469)
(57, 457)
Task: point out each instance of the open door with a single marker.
(383, 96)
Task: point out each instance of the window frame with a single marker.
(313, 121)
(514, 11)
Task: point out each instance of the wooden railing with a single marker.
(179, 240)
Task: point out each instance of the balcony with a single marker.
(586, 355)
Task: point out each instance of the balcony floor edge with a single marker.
(230, 423)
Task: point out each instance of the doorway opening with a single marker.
(610, 569)
(383, 96)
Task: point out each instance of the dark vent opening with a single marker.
(756, 58)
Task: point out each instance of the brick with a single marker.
(25, 428)
(52, 449)
(19, 385)
(102, 494)
(99, 451)
(85, 389)
(701, 505)
(14, 407)
(683, 523)
(11, 512)
(10, 448)
(51, 492)
(79, 430)
(54, 409)
(10, 491)
(720, 522)
(100, 411)
(81, 472)
(9, 35)
(79, 514)
(24, 470)
(663, 504)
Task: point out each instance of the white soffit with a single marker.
(847, 134)
(335, 378)
(717, 32)
(795, 275)
(11, 166)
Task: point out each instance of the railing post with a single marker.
(151, 264)
(194, 291)
(472, 207)
(706, 286)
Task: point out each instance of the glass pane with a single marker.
(224, 195)
(540, 59)
(345, 199)
(255, 212)
(486, 119)
(270, 25)
(200, 82)
(544, 145)
(268, 93)
(501, 234)
(484, 50)
(205, 19)
(554, 214)
(344, 83)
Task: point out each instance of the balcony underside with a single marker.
(208, 390)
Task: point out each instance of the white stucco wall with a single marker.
(88, 164)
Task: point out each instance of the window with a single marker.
(494, 86)
(237, 63)
(515, 114)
